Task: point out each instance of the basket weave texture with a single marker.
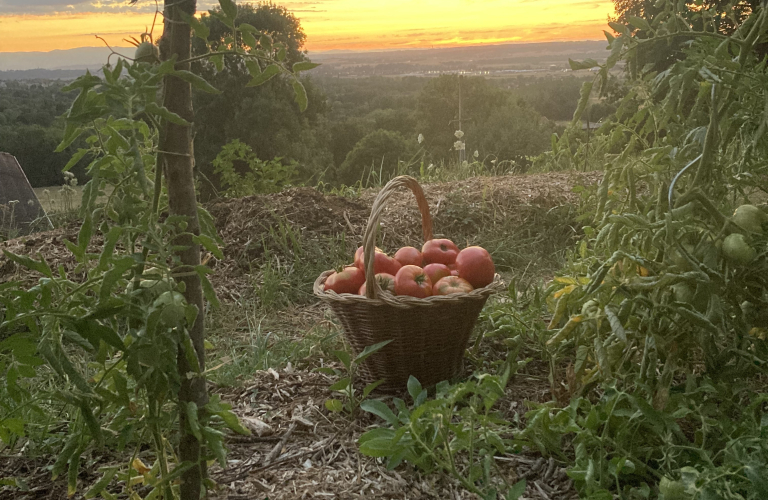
(429, 336)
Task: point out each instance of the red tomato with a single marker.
(476, 266)
(346, 281)
(454, 272)
(411, 280)
(436, 272)
(451, 284)
(359, 256)
(382, 263)
(440, 252)
(409, 256)
(385, 281)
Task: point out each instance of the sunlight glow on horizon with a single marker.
(344, 24)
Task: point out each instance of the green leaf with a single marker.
(70, 447)
(266, 42)
(334, 405)
(617, 27)
(229, 9)
(90, 421)
(247, 28)
(163, 112)
(194, 425)
(586, 64)
(639, 23)
(102, 483)
(616, 326)
(301, 95)
(345, 358)
(231, 420)
(196, 81)
(377, 447)
(414, 387)
(380, 409)
(208, 291)
(340, 385)
(75, 158)
(757, 476)
(210, 245)
(304, 66)
(370, 387)
(586, 91)
(72, 473)
(71, 132)
(369, 350)
(33, 265)
(264, 76)
(249, 39)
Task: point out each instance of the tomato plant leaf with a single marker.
(269, 72)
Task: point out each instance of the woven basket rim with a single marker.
(405, 301)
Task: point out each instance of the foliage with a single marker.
(654, 330)
(107, 329)
(346, 384)
(378, 154)
(30, 130)
(457, 433)
(266, 117)
(259, 176)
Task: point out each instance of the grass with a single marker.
(279, 322)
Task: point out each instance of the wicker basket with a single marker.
(429, 336)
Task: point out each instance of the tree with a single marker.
(176, 140)
(438, 107)
(377, 154)
(513, 131)
(266, 118)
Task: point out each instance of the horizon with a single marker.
(330, 25)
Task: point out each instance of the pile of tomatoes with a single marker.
(439, 268)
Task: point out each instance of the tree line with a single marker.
(350, 127)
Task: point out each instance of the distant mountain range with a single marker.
(67, 64)
(72, 59)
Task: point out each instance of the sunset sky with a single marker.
(43, 25)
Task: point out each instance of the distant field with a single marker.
(53, 199)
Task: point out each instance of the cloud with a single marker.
(10, 7)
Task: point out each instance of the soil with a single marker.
(303, 451)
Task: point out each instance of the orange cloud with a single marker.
(346, 24)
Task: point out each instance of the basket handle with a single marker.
(372, 289)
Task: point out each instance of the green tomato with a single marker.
(750, 218)
(737, 250)
(147, 52)
(672, 490)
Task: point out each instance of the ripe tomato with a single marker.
(476, 266)
(358, 262)
(413, 281)
(409, 256)
(440, 252)
(346, 281)
(437, 271)
(385, 281)
(382, 263)
(451, 284)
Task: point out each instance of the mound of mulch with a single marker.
(247, 225)
(297, 450)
